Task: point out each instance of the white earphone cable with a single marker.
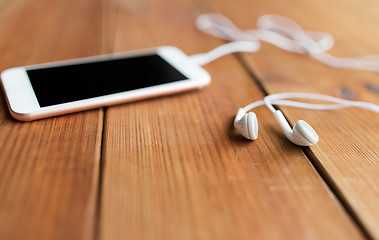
(282, 32)
(238, 46)
(295, 104)
(288, 35)
(340, 102)
(278, 99)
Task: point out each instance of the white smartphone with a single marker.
(51, 89)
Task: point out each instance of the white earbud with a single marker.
(246, 124)
(302, 133)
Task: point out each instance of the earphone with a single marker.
(302, 133)
(286, 34)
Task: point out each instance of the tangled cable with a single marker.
(280, 31)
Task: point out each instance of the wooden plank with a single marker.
(348, 152)
(174, 168)
(49, 168)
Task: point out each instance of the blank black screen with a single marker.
(70, 83)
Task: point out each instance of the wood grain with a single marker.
(174, 168)
(48, 168)
(348, 152)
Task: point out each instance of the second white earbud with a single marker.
(302, 133)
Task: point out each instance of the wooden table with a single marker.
(173, 167)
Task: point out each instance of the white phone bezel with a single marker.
(24, 106)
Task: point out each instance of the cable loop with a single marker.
(284, 33)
